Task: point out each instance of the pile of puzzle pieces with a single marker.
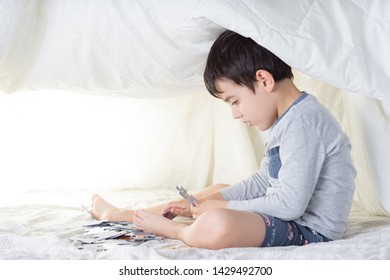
(103, 235)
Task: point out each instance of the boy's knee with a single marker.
(216, 227)
(215, 216)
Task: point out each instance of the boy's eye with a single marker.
(235, 102)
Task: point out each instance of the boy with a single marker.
(302, 192)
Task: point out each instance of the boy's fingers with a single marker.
(194, 210)
(176, 205)
(176, 210)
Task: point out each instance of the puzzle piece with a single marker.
(103, 235)
(190, 198)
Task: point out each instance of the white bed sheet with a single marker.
(41, 230)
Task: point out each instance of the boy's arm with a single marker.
(302, 157)
(254, 186)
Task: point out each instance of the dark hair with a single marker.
(237, 58)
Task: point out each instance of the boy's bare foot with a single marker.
(103, 210)
(156, 224)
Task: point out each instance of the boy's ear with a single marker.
(265, 80)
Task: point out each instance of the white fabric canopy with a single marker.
(141, 47)
(158, 49)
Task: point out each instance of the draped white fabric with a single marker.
(68, 141)
(56, 138)
(141, 47)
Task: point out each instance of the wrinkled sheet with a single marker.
(41, 230)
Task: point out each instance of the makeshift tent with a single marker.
(108, 96)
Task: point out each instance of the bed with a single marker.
(108, 98)
(44, 231)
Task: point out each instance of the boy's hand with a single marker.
(206, 206)
(178, 208)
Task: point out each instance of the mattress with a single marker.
(41, 226)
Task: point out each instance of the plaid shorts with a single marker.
(286, 233)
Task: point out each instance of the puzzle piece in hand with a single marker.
(183, 192)
(190, 198)
(168, 214)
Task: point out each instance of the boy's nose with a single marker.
(236, 114)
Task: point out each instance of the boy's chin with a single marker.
(261, 127)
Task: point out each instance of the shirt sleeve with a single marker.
(254, 186)
(302, 154)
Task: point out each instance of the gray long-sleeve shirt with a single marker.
(307, 174)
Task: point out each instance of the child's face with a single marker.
(254, 108)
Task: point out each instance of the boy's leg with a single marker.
(103, 210)
(215, 229)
